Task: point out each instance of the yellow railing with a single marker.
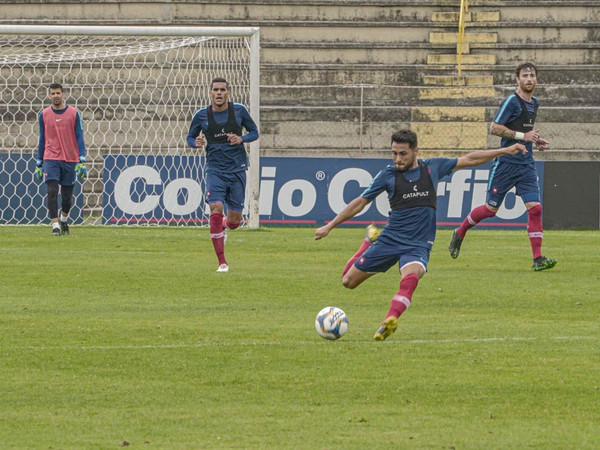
(464, 8)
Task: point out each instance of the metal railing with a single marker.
(464, 8)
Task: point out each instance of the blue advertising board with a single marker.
(23, 198)
(294, 191)
(152, 189)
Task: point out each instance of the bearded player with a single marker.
(514, 122)
(61, 155)
(408, 237)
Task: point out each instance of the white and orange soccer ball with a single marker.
(331, 323)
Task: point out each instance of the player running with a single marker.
(514, 122)
(408, 237)
(219, 126)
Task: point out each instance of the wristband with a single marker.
(519, 136)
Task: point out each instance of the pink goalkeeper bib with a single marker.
(59, 133)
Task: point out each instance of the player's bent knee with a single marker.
(348, 283)
(351, 282)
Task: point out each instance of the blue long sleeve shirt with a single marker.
(224, 158)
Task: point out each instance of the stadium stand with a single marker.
(337, 77)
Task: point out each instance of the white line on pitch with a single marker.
(316, 341)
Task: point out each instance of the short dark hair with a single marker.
(526, 65)
(56, 86)
(405, 137)
(219, 80)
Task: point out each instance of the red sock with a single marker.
(473, 218)
(217, 237)
(403, 297)
(363, 248)
(535, 230)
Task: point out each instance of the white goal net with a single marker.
(137, 89)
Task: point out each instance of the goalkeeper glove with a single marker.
(38, 174)
(80, 170)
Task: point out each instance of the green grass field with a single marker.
(118, 336)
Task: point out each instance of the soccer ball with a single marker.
(331, 323)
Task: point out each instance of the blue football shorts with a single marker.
(505, 176)
(227, 188)
(380, 257)
(63, 172)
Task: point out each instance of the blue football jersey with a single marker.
(224, 157)
(509, 111)
(411, 226)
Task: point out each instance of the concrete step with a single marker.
(180, 11)
(546, 114)
(471, 59)
(474, 16)
(561, 96)
(409, 74)
(444, 57)
(543, 54)
(469, 37)
(451, 80)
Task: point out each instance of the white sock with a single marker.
(64, 218)
(55, 225)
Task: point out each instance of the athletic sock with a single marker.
(363, 248)
(401, 301)
(217, 236)
(473, 218)
(63, 218)
(55, 225)
(535, 230)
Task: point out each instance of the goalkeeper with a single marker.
(219, 126)
(61, 155)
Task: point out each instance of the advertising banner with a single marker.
(293, 191)
(23, 198)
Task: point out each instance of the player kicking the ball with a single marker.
(408, 237)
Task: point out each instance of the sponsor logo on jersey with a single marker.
(415, 194)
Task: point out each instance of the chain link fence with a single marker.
(358, 120)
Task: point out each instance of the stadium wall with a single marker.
(572, 195)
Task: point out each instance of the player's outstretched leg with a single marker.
(371, 236)
(473, 218)
(386, 329)
(455, 243)
(543, 263)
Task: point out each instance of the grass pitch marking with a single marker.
(315, 342)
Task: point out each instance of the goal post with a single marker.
(137, 89)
